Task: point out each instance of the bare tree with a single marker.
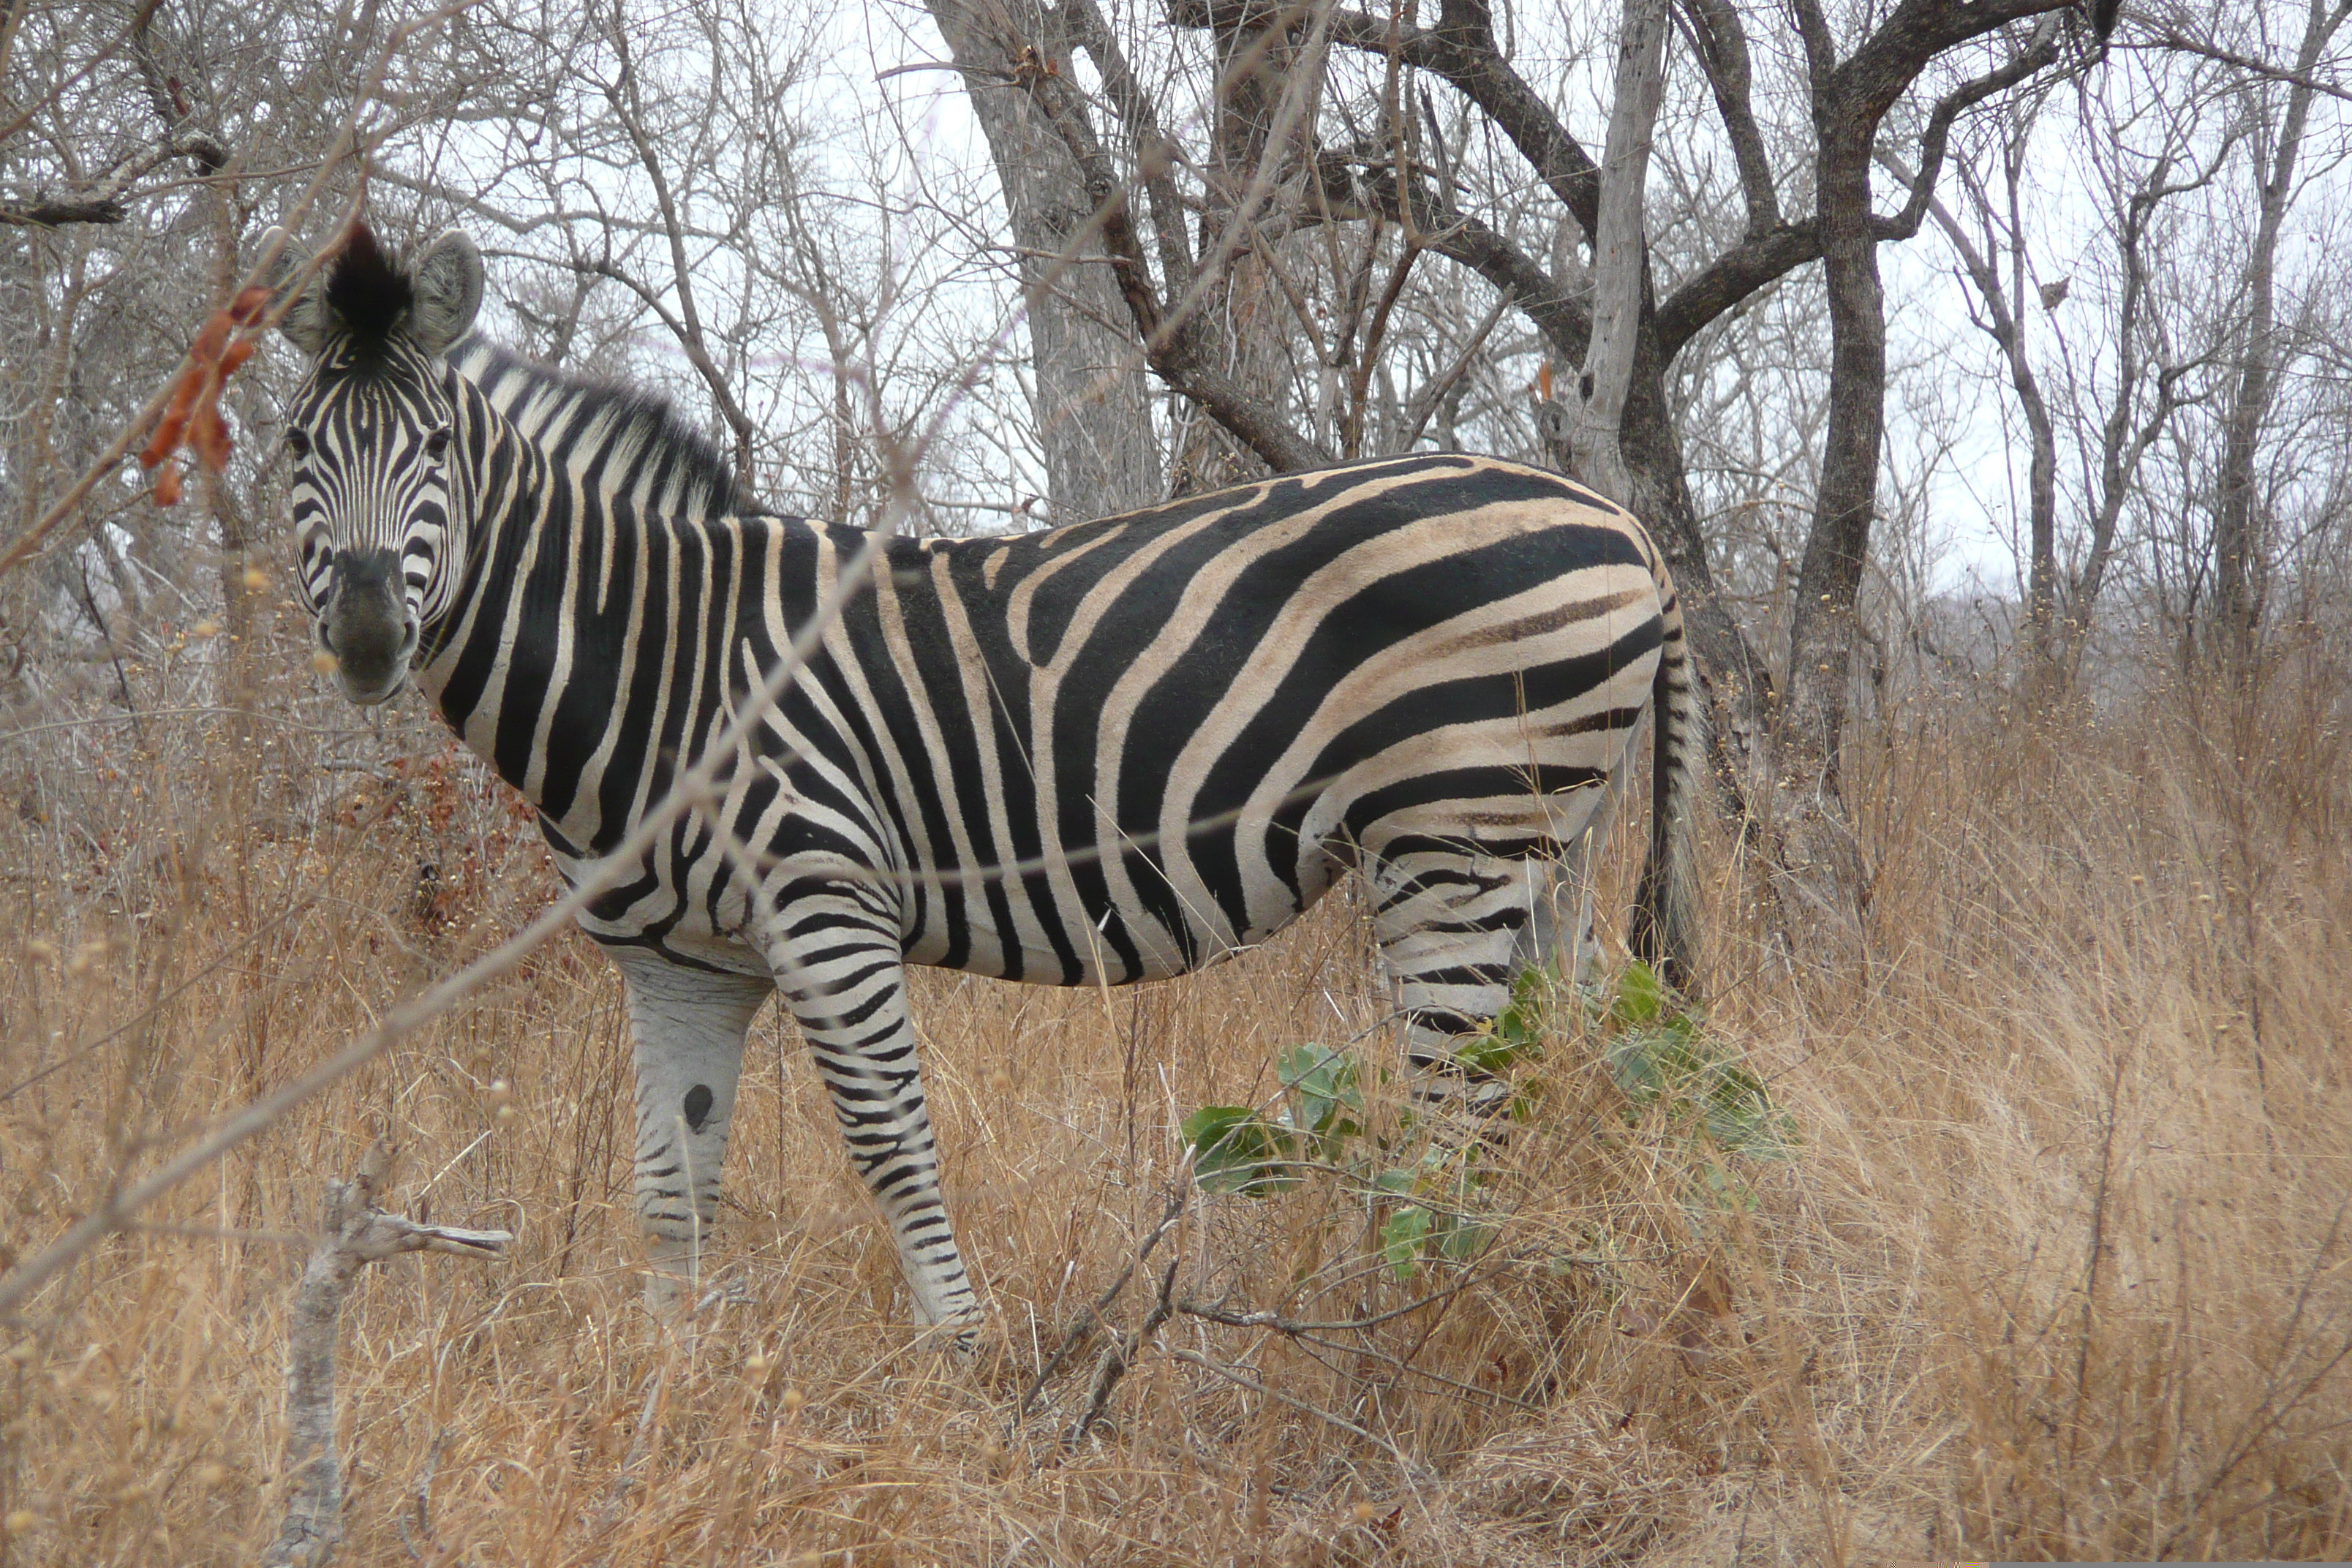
(1402, 171)
(2239, 543)
(1091, 407)
(2002, 308)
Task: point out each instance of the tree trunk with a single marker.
(1092, 398)
(1619, 255)
(1243, 311)
(1819, 851)
(2240, 554)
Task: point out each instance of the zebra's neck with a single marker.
(502, 487)
(583, 657)
(623, 441)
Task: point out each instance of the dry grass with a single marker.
(2058, 1269)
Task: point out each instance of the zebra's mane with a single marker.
(577, 417)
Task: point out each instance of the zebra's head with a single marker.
(374, 427)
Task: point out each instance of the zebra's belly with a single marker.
(1084, 962)
(1059, 934)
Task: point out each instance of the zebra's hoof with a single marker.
(729, 1291)
(675, 1296)
(968, 1341)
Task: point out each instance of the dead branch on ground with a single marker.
(354, 1233)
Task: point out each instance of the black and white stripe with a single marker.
(1106, 752)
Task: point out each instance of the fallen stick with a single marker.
(354, 1233)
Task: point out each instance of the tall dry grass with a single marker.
(2057, 1266)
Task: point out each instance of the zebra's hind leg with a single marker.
(687, 1026)
(841, 969)
(1561, 936)
(1450, 923)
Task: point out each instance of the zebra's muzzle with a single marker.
(367, 626)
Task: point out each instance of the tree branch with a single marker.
(2039, 52)
(1732, 277)
(2174, 39)
(1171, 343)
(1564, 319)
(687, 326)
(1722, 47)
(1155, 151)
(105, 201)
(55, 212)
(1767, 256)
(1885, 64)
(1461, 50)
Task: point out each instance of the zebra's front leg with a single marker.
(842, 971)
(687, 1026)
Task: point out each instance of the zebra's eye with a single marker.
(300, 442)
(436, 442)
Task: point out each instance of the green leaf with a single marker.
(1461, 1240)
(1483, 1054)
(1236, 1150)
(1634, 1065)
(1322, 1082)
(1522, 1021)
(1740, 1115)
(1402, 1236)
(1514, 1033)
(1641, 996)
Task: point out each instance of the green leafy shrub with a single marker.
(1657, 1055)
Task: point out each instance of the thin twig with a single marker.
(1257, 1386)
(1087, 1321)
(420, 1501)
(625, 1479)
(1120, 1355)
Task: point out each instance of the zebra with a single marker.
(1099, 753)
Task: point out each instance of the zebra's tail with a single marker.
(1664, 929)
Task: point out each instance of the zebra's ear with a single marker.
(304, 321)
(449, 291)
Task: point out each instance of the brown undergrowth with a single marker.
(2055, 1264)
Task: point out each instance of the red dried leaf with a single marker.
(208, 435)
(174, 423)
(193, 413)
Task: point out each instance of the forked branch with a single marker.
(353, 1232)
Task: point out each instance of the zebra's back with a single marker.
(1161, 736)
